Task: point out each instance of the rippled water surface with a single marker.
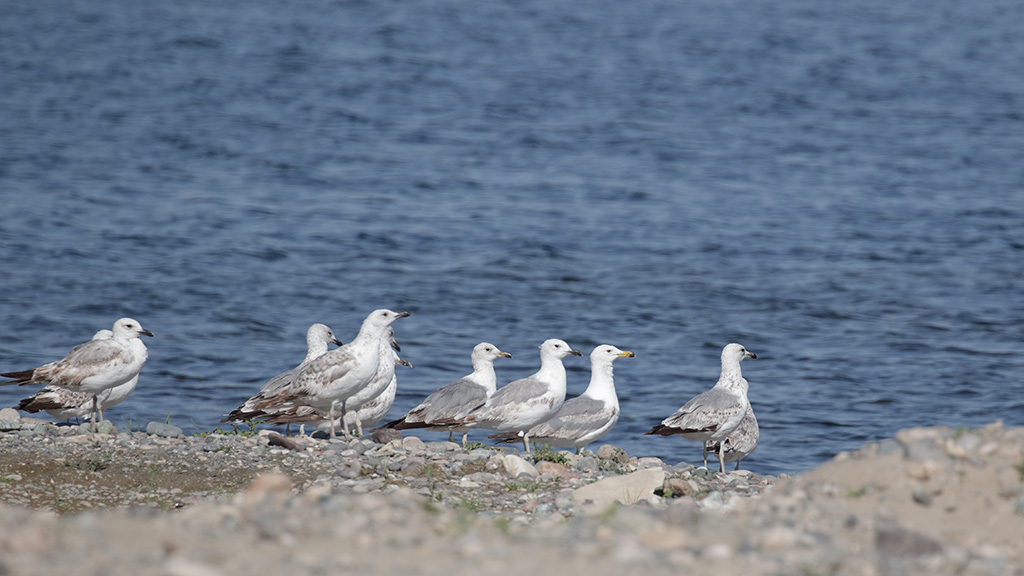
(839, 188)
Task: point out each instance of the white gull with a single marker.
(94, 366)
(318, 336)
(521, 404)
(587, 417)
(453, 401)
(716, 413)
(329, 381)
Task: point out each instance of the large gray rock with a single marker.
(628, 489)
(516, 466)
(162, 429)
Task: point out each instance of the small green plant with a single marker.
(856, 492)
(6, 480)
(92, 463)
(1020, 470)
(545, 453)
(470, 504)
(503, 524)
(526, 486)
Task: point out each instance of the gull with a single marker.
(521, 404)
(318, 336)
(371, 412)
(740, 443)
(452, 402)
(327, 382)
(716, 413)
(64, 404)
(365, 408)
(587, 417)
(94, 366)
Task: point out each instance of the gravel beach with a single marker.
(157, 501)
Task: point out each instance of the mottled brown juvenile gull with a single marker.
(714, 414)
(740, 443)
(318, 336)
(452, 402)
(587, 417)
(94, 366)
(64, 404)
(329, 381)
(520, 405)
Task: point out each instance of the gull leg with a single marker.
(359, 424)
(737, 465)
(95, 407)
(344, 427)
(450, 437)
(465, 439)
(330, 414)
(705, 450)
(526, 442)
(287, 429)
(721, 456)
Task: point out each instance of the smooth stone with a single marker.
(163, 430)
(627, 489)
(515, 466)
(613, 453)
(10, 414)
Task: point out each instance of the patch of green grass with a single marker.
(6, 480)
(856, 492)
(91, 463)
(503, 524)
(526, 486)
(470, 504)
(545, 453)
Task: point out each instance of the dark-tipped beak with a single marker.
(401, 315)
(575, 352)
(336, 342)
(504, 355)
(627, 354)
(396, 346)
(405, 362)
(751, 355)
(146, 332)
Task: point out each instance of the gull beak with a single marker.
(336, 342)
(750, 355)
(405, 362)
(401, 315)
(396, 346)
(627, 354)
(504, 355)
(145, 332)
(575, 352)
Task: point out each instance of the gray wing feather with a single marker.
(452, 401)
(576, 417)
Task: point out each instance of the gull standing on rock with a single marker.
(452, 402)
(94, 366)
(587, 417)
(318, 336)
(329, 381)
(740, 443)
(64, 404)
(716, 413)
(522, 404)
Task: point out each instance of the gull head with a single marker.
(321, 333)
(735, 353)
(558, 349)
(487, 351)
(382, 318)
(129, 328)
(606, 354)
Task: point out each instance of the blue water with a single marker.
(840, 188)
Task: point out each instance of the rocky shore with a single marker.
(157, 501)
